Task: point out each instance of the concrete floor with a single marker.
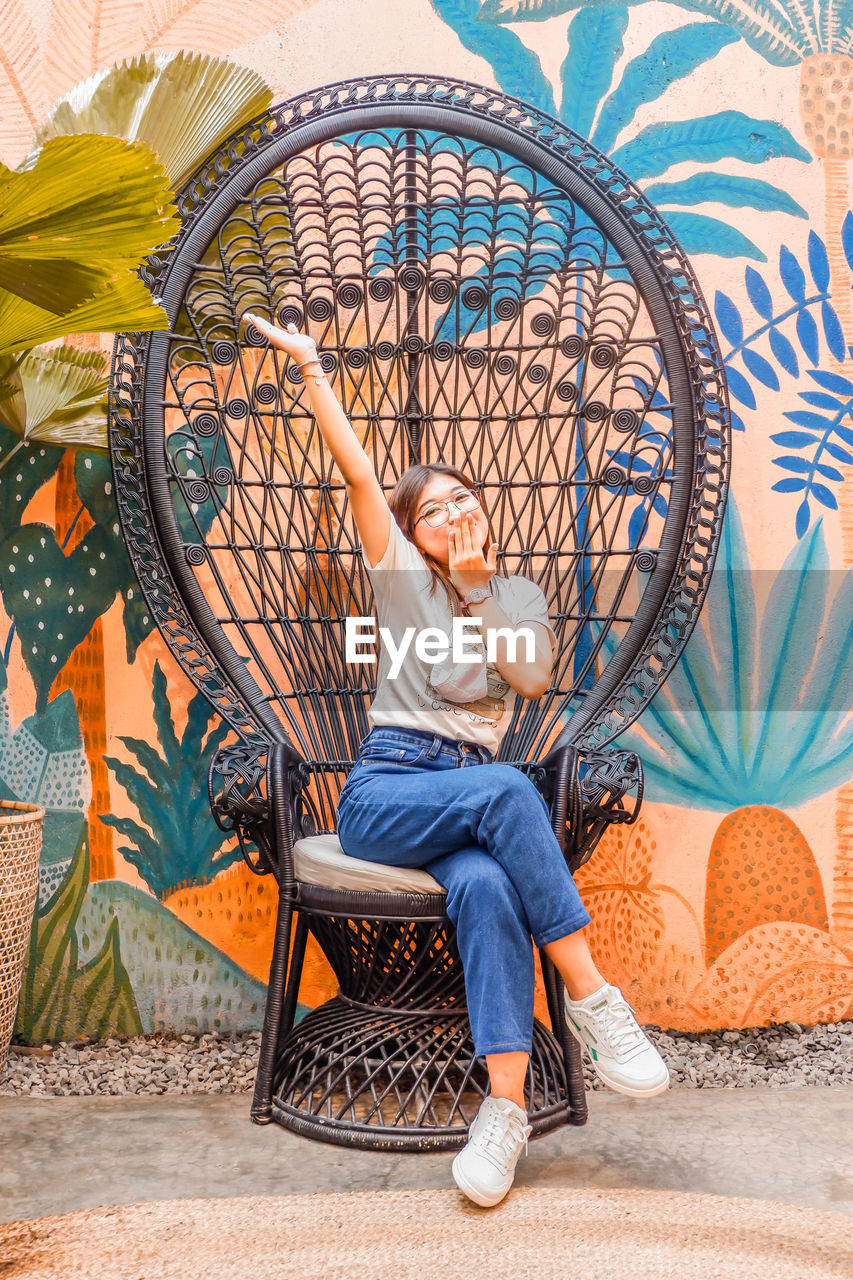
(62, 1154)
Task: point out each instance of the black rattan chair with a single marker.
(486, 290)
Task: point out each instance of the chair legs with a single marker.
(383, 1066)
(262, 1101)
(574, 1083)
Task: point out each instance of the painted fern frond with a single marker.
(780, 33)
(669, 57)
(23, 100)
(595, 46)
(517, 69)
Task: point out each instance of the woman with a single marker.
(484, 834)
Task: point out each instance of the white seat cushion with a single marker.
(321, 861)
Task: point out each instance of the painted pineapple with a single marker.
(826, 104)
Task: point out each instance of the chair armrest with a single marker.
(586, 793)
(239, 792)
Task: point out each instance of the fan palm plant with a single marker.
(181, 106)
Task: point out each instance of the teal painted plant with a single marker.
(817, 39)
(181, 981)
(43, 761)
(757, 709)
(754, 721)
(179, 843)
(59, 994)
(601, 98)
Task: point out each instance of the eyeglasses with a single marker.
(438, 513)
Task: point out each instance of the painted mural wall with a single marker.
(731, 902)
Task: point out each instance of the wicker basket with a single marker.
(20, 846)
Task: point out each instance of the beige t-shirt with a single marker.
(401, 584)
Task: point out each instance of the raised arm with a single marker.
(370, 508)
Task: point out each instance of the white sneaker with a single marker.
(621, 1052)
(485, 1167)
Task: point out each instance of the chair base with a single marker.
(383, 1079)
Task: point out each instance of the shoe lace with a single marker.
(620, 1027)
(500, 1137)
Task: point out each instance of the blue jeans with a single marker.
(412, 799)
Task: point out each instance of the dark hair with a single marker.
(403, 501)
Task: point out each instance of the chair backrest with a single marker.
(487, 290)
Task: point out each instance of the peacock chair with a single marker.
(489, 291)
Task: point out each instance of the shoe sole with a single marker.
(479, 1197)
(618, 1086)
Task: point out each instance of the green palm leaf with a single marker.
(123, 304)
(182, 105)
(62, 399)
(89, 203)
(783, 38)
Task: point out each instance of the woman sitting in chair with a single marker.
(485, 836)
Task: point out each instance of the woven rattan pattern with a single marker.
(20, 847)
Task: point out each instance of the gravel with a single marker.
(781, 1056)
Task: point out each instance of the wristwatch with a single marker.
(476, 596)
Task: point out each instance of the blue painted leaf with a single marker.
(770, 34)
(669, 57)
(793, 276)
(785, 354)
(821, 401)
(805, 418)
(636, 525)
(818, 262)
(845, 433)
(700, 234)
(759, 294)
(832, 329)
(831, 473)
(789, 462)
(595, 46)
(724, 188)
(789, 486)
(824, 496)
(660, 504)
(760, 368)
(704, 140)
(847, 238)
(835, 451)
(740, 388)
(517, 70)
(807, 334)
(804, 516)
(737, 421)
(832, 381)
(794, 439)
(728, 318)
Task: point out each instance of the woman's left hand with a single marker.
(469, 568)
